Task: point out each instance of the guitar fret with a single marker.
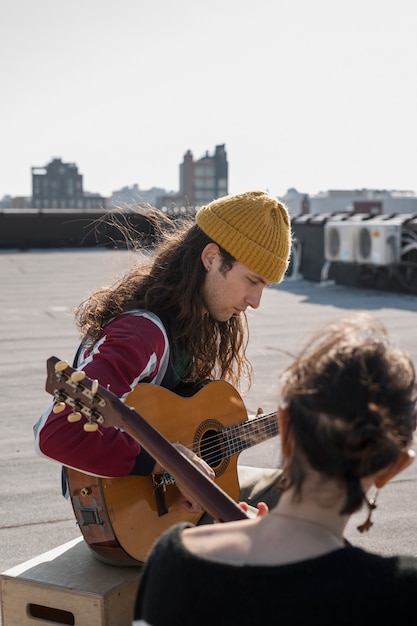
(242, 436)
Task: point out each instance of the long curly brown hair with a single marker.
(168, 280)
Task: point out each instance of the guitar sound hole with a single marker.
(212, 448)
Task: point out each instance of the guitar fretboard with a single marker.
(247, 434)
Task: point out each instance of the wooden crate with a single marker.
(68, 585)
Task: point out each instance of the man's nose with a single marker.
(254, 299)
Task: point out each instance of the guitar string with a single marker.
(236, 439)
(263, 425)
(235, 434)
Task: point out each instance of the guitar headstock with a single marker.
(84, 395)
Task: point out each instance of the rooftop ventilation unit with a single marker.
(378, 242)
(339, 240)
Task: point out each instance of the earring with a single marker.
(371, 504)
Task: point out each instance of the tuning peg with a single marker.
(76, 377)
(60, 366)
(75, 416)
(94, 386)
(59, 407)
(90, 427)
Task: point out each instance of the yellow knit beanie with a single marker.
(254, 228)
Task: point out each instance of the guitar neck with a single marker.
(239, 437)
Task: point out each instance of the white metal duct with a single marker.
(339, 240)
(378, 242)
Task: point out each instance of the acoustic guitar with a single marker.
(120, 518)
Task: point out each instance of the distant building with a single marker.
(20, 202)
(129, 196)
(296, 202)
(17, 202)
(6, 202)
(370, 201)
(58, 185)
(201, 181)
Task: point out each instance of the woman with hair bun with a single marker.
(347, 418)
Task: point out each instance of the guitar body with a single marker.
(119, 516)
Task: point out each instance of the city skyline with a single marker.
(135, 189)
(313, 96)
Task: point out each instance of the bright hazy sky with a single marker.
(311, 94)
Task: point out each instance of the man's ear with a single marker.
(208, 254)
(385, 475)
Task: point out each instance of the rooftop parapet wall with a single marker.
(88, 229)
(72, 228)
